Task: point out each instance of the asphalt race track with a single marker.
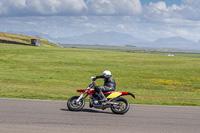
(35, 116)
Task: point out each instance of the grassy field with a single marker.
(55, 73)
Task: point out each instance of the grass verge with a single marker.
(55, 73)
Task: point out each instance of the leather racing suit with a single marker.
(109, 84)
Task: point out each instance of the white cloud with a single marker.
(42, 7)
(3, 9)
(193, 3)
(190, 10)
(114, 7)
(159, 5)
(159, 12)
(69, 7)
(31, 23)
(76, 17)
(89, 25)
(122, 26)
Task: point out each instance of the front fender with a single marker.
(80, 90)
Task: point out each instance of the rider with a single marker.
(109, 84)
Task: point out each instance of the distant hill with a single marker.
(175, 42)
(101, 38)
(171, 42)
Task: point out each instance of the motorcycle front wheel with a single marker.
(75, 106)
(122, 108)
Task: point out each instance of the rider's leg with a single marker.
(103, 98)
(99, 90)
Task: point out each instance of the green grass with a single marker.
(55, 73)
(189, 55)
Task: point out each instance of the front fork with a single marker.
(82, 96)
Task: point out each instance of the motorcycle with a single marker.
(118, 104)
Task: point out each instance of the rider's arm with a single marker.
(100, 76)
(97, 77)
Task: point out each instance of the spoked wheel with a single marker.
(122, 107)
(75, 106)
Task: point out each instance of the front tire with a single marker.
(122, 108)
(73, 105)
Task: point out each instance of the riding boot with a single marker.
(103, 98)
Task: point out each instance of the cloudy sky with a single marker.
(145, 19)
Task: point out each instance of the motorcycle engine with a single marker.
(96, 101)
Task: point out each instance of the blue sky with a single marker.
(145, 19)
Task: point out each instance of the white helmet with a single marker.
(106, 73)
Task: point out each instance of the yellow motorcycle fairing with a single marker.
(114, 94)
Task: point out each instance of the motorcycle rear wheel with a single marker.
(122, 108)
(73, 105)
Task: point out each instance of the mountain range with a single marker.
(100, 38)
(120, 39)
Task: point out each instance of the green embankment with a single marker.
(55, 73)
(24, 39)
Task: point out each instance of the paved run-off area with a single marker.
(37, 116)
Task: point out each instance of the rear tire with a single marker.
(122, 108)
(73, 105)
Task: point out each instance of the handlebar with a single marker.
(92, 78)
